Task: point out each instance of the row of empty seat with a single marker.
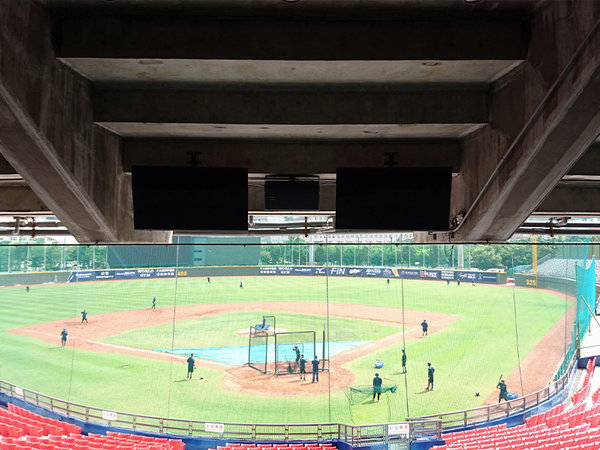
(91, 442)
(584, 390)
(21, 429)
(524, 438)
(559, 428)
(17, 422)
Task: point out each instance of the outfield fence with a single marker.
(486, 414)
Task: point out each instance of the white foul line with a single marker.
(136, 349)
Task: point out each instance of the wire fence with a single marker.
(428, 427)
(352, 434)
(486, 414)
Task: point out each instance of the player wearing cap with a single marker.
(503, 394)
(302, 368)
(377, 386)
(430, 371)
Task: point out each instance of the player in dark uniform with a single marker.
(302, 368)
(208, 278)
(403, 361)
(315, 369)
(63, 337)
(84, 316)
(241, 284)
(190, 362)
(430, 371)
(297, 355)
(377, 386)
(154, 303)
(502, 394)
(424, 326)
(27, 289)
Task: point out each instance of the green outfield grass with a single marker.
(220, 330)
(469, 354)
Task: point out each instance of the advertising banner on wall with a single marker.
(383, 272)
(120, 274)
(335, 271)
(447, 274)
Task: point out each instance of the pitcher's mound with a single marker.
(250, 381)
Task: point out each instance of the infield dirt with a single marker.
(538, 367)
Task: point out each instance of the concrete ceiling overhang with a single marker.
(502, 92)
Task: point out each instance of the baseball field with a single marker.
(131, 357)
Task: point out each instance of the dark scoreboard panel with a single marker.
(190, 198)
(403, 199)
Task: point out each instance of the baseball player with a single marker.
(430, 370)
(377, 386)
(302, 368)
(190, 363)
(503, 394)
(63, 337)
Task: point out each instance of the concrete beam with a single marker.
(535, 134)
(291, 158)
(572, 199)
(589, 163)
(307, 106)
(339, 133)
(241, 35)
(367, 75)
(47, 133)
(342, 8)
(17, 199)
(35, 159)
(5, 167)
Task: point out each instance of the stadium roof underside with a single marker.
(503, 92)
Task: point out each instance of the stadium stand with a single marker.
(559, 428)
(562, 268)
(21, 429)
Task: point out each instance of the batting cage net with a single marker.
(289, 348)
(358, 394)
(258, 345)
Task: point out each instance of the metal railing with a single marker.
(420, 427)
(352, 434)
(486, 414)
